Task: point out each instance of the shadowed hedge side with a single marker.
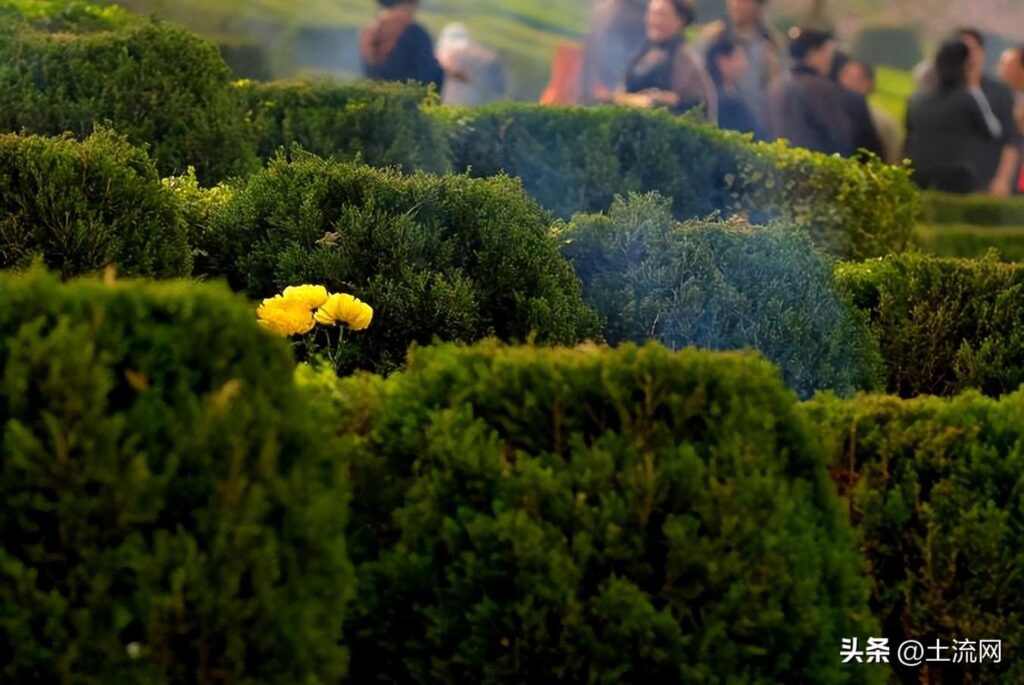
(936, 489)
(944, 325)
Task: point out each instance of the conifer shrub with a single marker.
(198, 205)
(721, 286)
(971, 242)
(445, 257)
(578, 160)
(81, 206)
(935, 488)
(943, 325)
(160, 86)
(170, 510)
(592, 515)
(380, 124)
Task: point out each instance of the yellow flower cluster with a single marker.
(299, 308)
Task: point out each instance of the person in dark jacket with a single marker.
(745, 23)
(865, 136)
(947, 124)
(617, 31)
(665, 74)
(395, 48)
(808, 108)
(726, 62)
(997, 159)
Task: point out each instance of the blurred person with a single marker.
(858, 76)
(395, 48)
(727, 62)
(996, 160)
(865, 135)
(947, 124)
(473, 73)
(617, 32)
(745, 25)
(808, 108)
(665, 74)
(1011, 71)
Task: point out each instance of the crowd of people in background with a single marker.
(964, 129)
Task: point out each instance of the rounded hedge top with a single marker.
(722, 286)
(158, 85)
(82, 206)
(445, 257)
(168, 513)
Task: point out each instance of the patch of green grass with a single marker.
(970, 242)
(894, 89)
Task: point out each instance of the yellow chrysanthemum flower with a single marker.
(312, 296)
(286, 316)
(345, 309)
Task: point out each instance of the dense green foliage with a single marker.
(721, 286)
(936, 488)
(435, 256)
(943, 325)
(573, 160)
(380, 124)
(69, 15)
(198, 205)
(892, 46)
(247, 58)
(158, 85)
(980, 210)
(971, 242)
(84, 206)
(593, 516)
(170, 511)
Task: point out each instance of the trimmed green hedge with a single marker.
(979, 210)
(158, 85)
(578, 160)
(944, 325)
(444, 257)
(936, 489)
(971, 242)
(893, 46)
(84, 206)
(170, 509)
(588, 515)
(721, 286)
(380, 124)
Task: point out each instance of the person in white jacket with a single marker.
(474, 74)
